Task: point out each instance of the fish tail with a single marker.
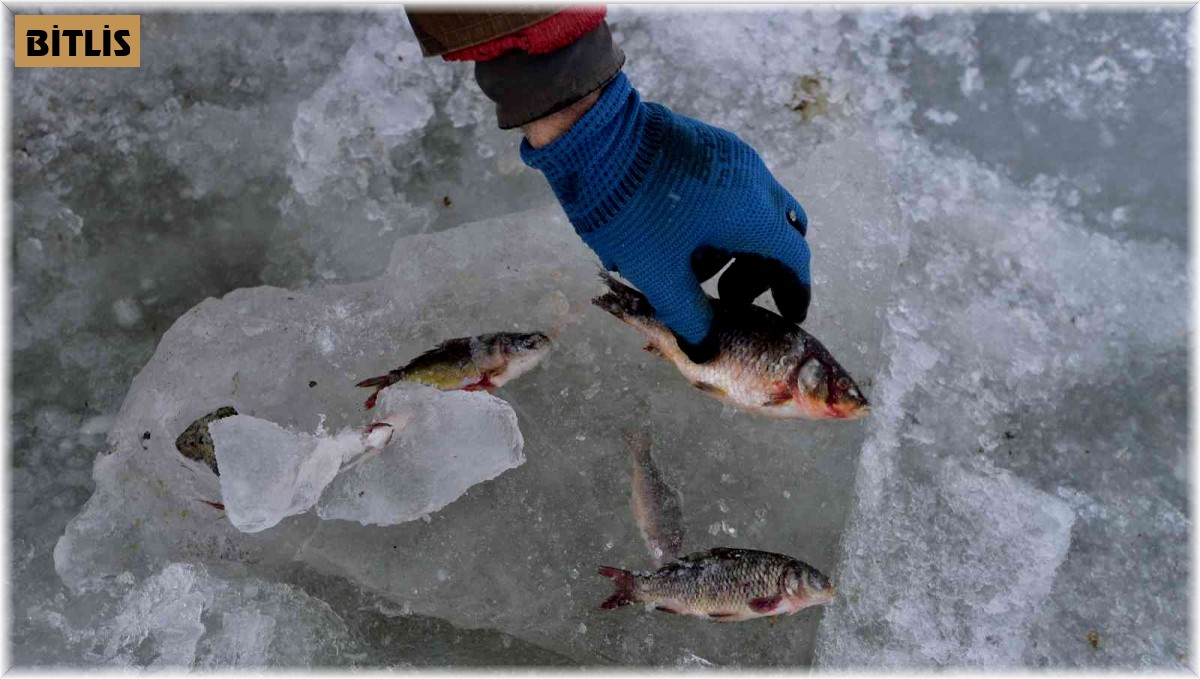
(623, 579)
(381, 381)
(379, 384)
(621, 300)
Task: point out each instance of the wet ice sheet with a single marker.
(142, 192)
(571, 500)
(271, 473)
(139, 192)
(518, 553)
(1032, 409)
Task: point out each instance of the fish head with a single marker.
(523, 351)
(825, 390)
(807, 586)
(846, 399)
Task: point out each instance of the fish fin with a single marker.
(781, 393)
(661, 560)
(773, 619)
(714, 553)
(214, 505)
(450, 346)
(765, 604)
(666, 609)
(653, 350)
(721, 616)
(709, 388)
(621, 300)
(484, 384)
(693, 556)
(675, 541)
(379, 383)
(624, 581)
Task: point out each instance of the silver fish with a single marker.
(766, 364)
(656, 506)
(723, 584)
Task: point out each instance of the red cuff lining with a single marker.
(549, 35)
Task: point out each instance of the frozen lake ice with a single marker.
(277, 205)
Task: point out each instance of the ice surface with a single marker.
(569, 504)
(517, 554)
(1070, 102)
(185, 617)
(1018, 372)
(1028, 390)
(449, 442)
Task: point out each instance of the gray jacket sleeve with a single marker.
(526, 87)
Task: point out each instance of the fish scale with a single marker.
(764, 363)
(656, 505)
(477, 363)
(724, 584)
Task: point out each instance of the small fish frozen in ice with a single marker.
(766, 364)
(723, 584)
(479, 363)
(656, 506)
(195, 442)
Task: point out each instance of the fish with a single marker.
(480, 363)
(196, 443)
(657, 506)
(765, 364)
(723, 584)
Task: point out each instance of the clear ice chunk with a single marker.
(450, 442)
(422, 451)
(268, 472)
(184, 617)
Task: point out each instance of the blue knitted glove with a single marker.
(667, 201)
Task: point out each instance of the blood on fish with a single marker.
(765, 604)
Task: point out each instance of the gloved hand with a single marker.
(667, 201)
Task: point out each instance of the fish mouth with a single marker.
(821, 597)
(848, 412)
